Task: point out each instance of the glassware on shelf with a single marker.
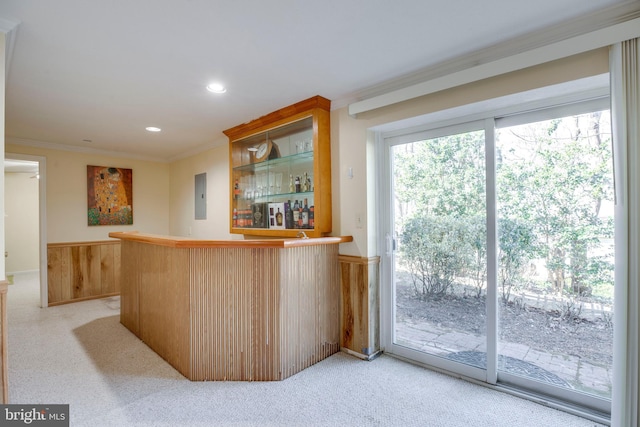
(271, 184)
(248, 183)
(263, 186)
(308, 145)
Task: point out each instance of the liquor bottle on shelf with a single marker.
(296, 215)
(300, 207)
(288, 215)
(304, 184)
(312, 222)
(305, 215)
(236, 190)
(279, 218)
(297, 184)
(235, 217)
(292, 187)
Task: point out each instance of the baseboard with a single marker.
(22, 271)
(368, 358)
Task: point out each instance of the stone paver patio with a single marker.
(577, 373)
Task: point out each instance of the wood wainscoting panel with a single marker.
(360, 305)
(110, 269)
(82, 270)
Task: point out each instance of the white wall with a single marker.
(215, 163)
(21, 222)
(2, 145)
(66, 192)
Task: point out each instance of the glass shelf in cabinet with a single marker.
(286, 160)
(276, 197)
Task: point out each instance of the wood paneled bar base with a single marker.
(232, 310)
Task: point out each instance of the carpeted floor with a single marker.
(79, 354)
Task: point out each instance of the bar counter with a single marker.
(232, 310)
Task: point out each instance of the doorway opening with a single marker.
(25, 221)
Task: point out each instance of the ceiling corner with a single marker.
(9, 27)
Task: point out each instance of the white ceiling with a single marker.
(104, 70)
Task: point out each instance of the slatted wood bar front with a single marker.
(239, 310)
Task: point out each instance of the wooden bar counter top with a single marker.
(232, 310)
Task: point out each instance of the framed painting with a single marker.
(109, 195)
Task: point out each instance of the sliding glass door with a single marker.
(439, 211)
(556, 254)
(500, 244)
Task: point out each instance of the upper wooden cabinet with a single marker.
(280, 172)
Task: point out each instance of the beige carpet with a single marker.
(79, 354)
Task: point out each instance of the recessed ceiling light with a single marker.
(216, 88)
(153, 129)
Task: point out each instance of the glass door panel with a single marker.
(555, 259)
(541, 317)
(440, 267)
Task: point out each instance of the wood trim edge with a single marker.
(275, 116)
(91, 243)
(358, 260)
(182, 242)
(114, 294)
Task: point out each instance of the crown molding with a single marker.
(119, 154)
(77, 149)
(9, 27)
(517, 53)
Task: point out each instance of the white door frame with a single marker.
(42, 218)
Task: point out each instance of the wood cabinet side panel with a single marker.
(360, 306)
(322, 161)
